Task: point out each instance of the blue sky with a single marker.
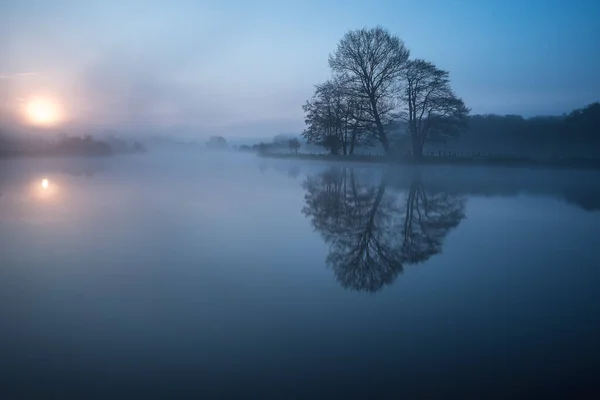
(248, 66)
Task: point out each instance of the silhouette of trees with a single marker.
(553, 136)
(373, 82)
(373, 231)
(323, 117)
(122, 146)
(370, 62)
(584, 124)
(377, 94)
(294, 145)
(334, 118)
(138, 147)
(81, 146)
(216, 142)
(433, 111)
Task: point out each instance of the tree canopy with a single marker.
(374, 85)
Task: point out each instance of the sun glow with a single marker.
(45, 189)
(43, 112)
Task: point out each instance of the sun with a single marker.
(43, 112)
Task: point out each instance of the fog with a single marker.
(284, 199)
(149, 268)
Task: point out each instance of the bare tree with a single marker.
(356, 130)
(433, 111)
(335, 118)
(320, 118)
(371, 62)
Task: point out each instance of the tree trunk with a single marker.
(335, 147)
(417, 148)
(353, 140)
(382, 135)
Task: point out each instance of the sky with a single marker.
(244, 68)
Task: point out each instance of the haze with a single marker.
(299, 200)
(245, 68)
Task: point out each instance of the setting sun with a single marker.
(44, 112)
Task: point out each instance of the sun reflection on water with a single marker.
(45, 190)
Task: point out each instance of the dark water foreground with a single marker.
(212, 277)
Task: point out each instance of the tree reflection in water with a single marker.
(373, 230)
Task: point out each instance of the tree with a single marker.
(262, 148)
(216, 142)
(584, 124)
(320, 119)
(334, 118)
(138, 147)
(355, 129)
(371, 62)
(433, 111)
(294, 145)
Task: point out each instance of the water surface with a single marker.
(229, 275)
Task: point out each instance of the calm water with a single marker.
(208, 275)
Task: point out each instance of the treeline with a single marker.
(87, 145)
(70, 146)
(574, 135)
(379, 97)
(280, 143)
(374, 86)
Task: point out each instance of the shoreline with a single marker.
(566, 162)
(20, 154)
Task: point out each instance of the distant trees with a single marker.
(279, 144)
(294, 145)
(584, 124)
(571, 135)
(122, 146)
(262, 148)
(432, 110)
(138, 147)
(80, 146)
(370, 89)
(216, 142)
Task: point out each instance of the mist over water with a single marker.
(221, 274)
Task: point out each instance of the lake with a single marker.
(204, 275)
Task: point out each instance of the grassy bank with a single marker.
(587, 163)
